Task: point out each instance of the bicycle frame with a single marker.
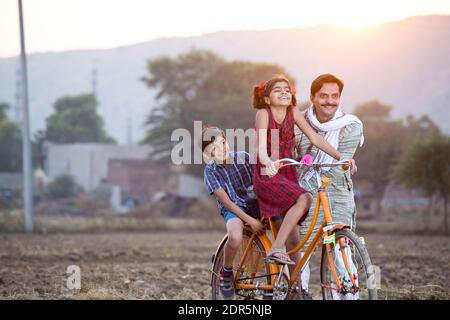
(326, 229)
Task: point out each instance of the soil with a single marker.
(176, 265)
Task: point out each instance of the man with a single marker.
(344, 132)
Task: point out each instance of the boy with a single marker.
(228, 175)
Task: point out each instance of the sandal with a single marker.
(278, 255)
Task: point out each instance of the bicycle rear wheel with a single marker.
(254, 269)
(363, 286)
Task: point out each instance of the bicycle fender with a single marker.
(214, 257)
(335, 226)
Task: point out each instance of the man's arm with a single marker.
(347, 145)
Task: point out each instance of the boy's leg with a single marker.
(235, 228)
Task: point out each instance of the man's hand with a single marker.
(352, 165)
(256, 226)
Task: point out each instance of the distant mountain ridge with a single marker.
(405, 64)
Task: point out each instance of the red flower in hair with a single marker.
(261, 88)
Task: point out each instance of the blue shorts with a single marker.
(227, 215)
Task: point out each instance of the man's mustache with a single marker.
(328, 105)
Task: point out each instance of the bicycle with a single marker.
(348, 275)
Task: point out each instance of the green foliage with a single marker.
(199, 85)
(425, 165)
(76, 120)
(385, 140)
(3, 109)
(63, 186)
(10, 143)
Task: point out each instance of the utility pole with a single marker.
(26, 145)
(17, 95)
(129, 131)
(94, 82)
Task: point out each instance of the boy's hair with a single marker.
(317, 84)
(264, 88)
(209, 135)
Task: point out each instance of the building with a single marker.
(88, 162)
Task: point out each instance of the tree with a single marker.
(10, 143)
(199, 85)
(4, 107)
(383, 142)
(75, 119)
(425, 165)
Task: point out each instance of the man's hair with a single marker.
(209, 135)
(317, 84)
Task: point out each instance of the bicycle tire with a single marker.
(365, 274)
(254, 263)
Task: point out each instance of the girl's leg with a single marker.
(291, 218)
(235, 228)
(292, 241)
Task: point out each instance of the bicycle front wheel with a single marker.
(351, 266)
(252, 271)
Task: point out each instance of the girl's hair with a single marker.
(264, 88)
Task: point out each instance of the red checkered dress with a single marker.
(277, 194)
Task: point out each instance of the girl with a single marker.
(278, 190)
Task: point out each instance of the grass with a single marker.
(50, 224)
(13, 221)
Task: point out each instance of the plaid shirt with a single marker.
(235, 179)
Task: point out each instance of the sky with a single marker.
(60, 25)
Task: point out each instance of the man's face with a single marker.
(326, 100)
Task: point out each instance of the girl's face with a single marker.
(280, 95)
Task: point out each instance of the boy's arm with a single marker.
(223, 197)
(254, 224)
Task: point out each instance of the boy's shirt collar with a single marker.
(231, 156)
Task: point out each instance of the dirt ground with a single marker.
(176, 265)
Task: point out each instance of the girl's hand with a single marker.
(272, 168)
(256, 226)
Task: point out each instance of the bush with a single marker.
(63, 186)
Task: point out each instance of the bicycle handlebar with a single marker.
(293, 162)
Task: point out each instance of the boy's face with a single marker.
(218, 150)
